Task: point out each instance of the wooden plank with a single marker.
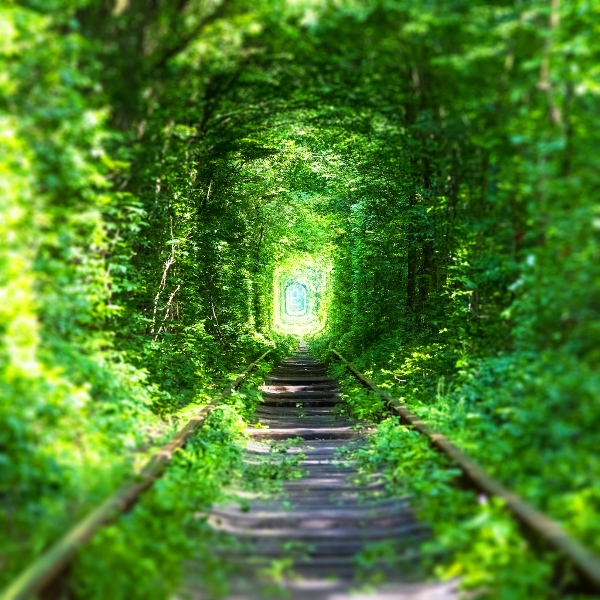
(52, 563)
(586, 562)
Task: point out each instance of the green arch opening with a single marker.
(301, 294)
(296, 299)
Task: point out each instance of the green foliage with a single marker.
(72, 410)
(360, 403)
(475, 538)
(440, 157)
(142, 555)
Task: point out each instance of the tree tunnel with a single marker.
(296, 299)
(301, 295)
(186, 184)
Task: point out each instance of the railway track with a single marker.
(320, 524)
(317, 530)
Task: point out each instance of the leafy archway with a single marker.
(301, 292)
(427, 171)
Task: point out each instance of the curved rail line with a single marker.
(585, 562)
(45, 571)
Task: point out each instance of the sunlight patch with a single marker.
(301, 299)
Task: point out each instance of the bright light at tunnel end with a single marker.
(301, 295)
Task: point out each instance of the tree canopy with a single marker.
(428, 170)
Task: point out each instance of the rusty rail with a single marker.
(586, 563)
(53, 563)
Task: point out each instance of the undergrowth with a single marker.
(474, 537)
(145, 553)
(539, 408)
